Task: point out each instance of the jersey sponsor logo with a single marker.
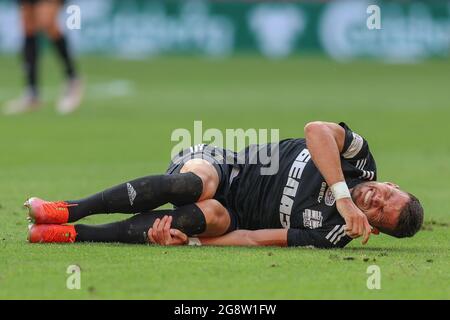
(322, 192)
(336, 234)
(329, 198)
(131, 193)
(291, 187)
(312, 219)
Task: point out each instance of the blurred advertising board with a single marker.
(408, 31)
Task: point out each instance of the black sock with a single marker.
(30, 55)
(189, 219)
(63, 51)
(142, 194)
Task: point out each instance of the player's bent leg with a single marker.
(198, 180)
(207, 218)
(138, 195)
(207, 173)
(189, 219)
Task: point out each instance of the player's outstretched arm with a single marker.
(264, 237)
(325, 141)
(162, 234)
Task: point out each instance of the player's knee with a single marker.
(30, 28)
(53, 32)
(50, 28)
(216, 216)
(214, 208)
(207, 173)
(30, 31)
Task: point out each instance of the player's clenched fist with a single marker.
(161, 233)
(356, 223)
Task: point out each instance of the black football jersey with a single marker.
(297, 197)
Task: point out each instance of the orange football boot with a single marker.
(46, 212)
(51, 233)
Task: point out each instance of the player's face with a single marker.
(382, 202)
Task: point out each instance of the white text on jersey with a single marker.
(291, 187)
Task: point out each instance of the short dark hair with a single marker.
(410, 219)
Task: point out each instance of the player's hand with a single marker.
(161, 233)
(356, 223)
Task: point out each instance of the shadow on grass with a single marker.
(392, 250)
(361, 250)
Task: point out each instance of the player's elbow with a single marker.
(314, 127)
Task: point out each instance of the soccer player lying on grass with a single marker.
(323, 194)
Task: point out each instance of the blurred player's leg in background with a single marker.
(42, 16)
(30, 98)
(47, 17)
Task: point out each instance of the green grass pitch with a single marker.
(123, 131)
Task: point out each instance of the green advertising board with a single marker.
(408, 31)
